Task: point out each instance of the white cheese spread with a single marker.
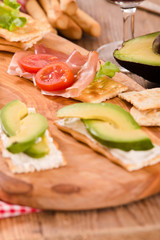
(136, 159)
(24, 163)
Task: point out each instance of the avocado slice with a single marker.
(137, 56)
(110, 124)
(38, 150)
(11, 115)
(109, 112)
(112, 137)
(31, 127)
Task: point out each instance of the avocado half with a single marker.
(138, 57)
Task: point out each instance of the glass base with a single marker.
(106, 53)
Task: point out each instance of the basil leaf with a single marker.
(9, 15)
(12, 3)
(108, 69)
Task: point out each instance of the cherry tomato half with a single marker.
(33, 63)
(54, 77)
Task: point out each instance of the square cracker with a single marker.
(143, 100)
(21, 45)
(105, 151)
(22, 167)
(9, 48)
(32, 29)
(147, 117)
(100, 90)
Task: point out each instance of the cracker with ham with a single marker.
(84, 69)
(143, 100)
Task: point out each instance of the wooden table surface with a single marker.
(136, 221)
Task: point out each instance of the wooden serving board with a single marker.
(89, 180)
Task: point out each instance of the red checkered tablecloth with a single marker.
(9, 210)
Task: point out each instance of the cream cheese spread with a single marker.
(136, 159)
(24, 163)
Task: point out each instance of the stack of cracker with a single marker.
(25, 37)
(146, 106)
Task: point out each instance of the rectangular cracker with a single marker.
(143, 100)
(32, 29)
(8, 48)
(147, 117)
(82, 136)
(21, 45)
(21, 168)
(100, 90)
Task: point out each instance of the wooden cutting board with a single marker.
(89, 180)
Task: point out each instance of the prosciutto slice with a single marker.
(75, 61)
(84, 77)
(15, 69)
(41, 49)
(83, 67)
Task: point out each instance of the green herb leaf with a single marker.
(9, 15)
(12, 3)
(108, 69)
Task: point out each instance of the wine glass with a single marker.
(128, 8)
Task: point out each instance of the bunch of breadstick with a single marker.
(64, 16)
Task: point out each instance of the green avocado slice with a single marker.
(110, 124)
(39, 149)
(31, 127)
(112, 137)
(11, 115)
(137, 56)
(100, 111)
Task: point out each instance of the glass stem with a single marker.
(128, 22)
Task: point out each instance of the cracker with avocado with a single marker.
(26, 143)
(110, 130)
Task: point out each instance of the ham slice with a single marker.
(41, 49)
(83, 67)
(75, 61)
(15, 69)
(84, 77)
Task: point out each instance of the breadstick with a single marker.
(73, 31)
(87, 23)
(54, 13)
(39, 14)
(69, 6)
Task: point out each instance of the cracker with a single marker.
(22, 45)
(147, 117)
(32, 29)
(22, 168)
(18, 45)
(100, 90)
(98, 147)
(8, 48)
(143, 100)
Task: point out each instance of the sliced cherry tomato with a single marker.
(33, 63)
(54, 77)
